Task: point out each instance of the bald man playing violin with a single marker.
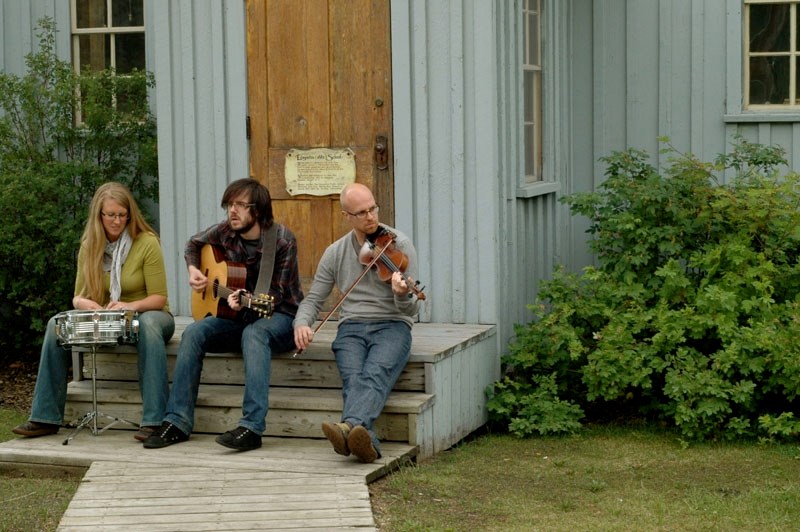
(373, 340)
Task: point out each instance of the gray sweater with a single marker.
(371, 299)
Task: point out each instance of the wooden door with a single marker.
(319, 76)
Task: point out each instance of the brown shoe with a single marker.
(33, 429)
(337, 435)
(360, 444)
(144, 432)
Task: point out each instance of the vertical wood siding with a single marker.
(674, 71)
(446, 162)
(510, 255)
(618, 74)
(19, 28)
(529, 231)
(201, 95)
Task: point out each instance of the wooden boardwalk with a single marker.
(295, 481)
(288, 484)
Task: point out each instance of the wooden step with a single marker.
(292, 411)
(228, 368)
(438, 400)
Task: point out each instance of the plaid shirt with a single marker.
(285, 285)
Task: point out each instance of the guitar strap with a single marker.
(269, 240)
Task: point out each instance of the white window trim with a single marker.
(555, 136)
(112, 31)
(735, 90)
(535, 66)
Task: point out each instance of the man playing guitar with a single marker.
(266, 254)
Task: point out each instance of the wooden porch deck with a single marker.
(295, 481)
(290, 483)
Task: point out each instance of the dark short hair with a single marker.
(258, 194)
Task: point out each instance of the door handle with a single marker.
(381, 152)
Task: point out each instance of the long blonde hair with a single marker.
(93, 241)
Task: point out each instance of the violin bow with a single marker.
(347, 292)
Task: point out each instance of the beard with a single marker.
(246, 228)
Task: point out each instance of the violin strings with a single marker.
(389, 264)
(392, 267)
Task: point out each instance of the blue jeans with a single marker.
(370, 356)
(156, 327)
(256, 341)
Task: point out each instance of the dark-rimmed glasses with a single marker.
(366, 212)
(238, 205)
(114, 216)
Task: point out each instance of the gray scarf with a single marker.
(113, 259)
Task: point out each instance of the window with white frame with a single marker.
(771, 54)
(108, 34)
(532, 88)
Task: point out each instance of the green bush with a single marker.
(61, 135)
(690, 317)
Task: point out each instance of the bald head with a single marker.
(355, 194)
(360, 209)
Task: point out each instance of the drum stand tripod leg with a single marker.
(91, 417)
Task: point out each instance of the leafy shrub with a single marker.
(50, 165)
(691, 316)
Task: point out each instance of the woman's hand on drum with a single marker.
(119, 305)
(84, 303)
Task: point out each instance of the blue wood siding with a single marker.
(19, 27)
(445, 145)
(617, 74)
(201, 110)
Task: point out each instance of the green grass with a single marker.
(607, 478)
(604, 479)
(31, 499)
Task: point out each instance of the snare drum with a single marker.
(97, 327)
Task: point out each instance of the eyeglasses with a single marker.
(112, 216)
(366, 212)
(238, 205)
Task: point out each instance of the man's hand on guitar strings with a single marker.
(197, 280)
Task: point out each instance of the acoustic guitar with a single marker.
(224, 278)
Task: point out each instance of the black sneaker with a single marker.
(241, 439)
(167, 434)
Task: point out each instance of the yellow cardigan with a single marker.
(143, 272)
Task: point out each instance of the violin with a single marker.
(390, 260)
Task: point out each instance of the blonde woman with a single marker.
(120, 267)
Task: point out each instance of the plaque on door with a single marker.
(319, 171)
